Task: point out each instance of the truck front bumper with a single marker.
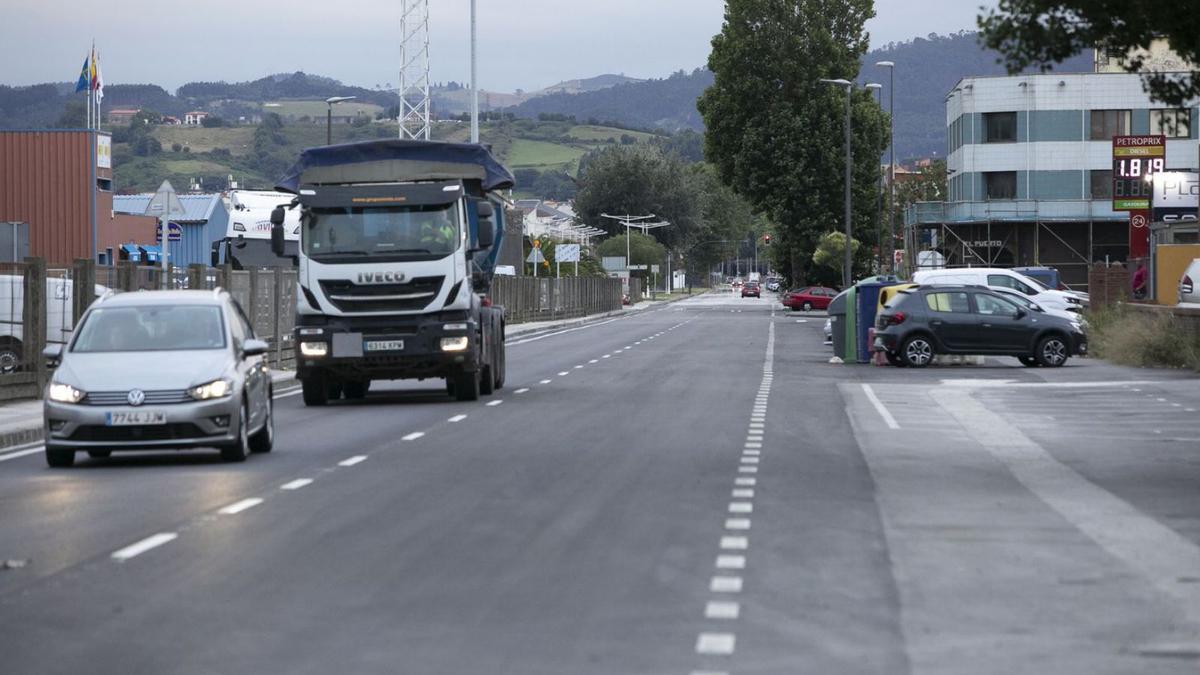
(430, 346)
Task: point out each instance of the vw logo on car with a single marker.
(136, 397)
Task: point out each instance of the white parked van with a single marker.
(60, 316)
(999, 277)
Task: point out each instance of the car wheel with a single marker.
(894, 359)
(1052, 351)
(240, 447)
(99, 454)
(59, 458)
(315, 392)
(917, 351)
(263, 440)
(1028, 361)
(807, 306)
(356, 390)
(10, 355)
(466, 386)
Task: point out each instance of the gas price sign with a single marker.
(1135, 161)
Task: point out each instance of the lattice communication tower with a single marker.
(414, 69)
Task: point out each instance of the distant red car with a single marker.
(751, 289)
(813, 297)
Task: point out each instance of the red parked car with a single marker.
(813, 297)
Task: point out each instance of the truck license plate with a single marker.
(135, 418)
(384, 345)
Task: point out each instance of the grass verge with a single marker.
(1132, 338)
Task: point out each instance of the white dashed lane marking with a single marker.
(457, 418)
(725, 585)
(522, 390)
(545, 381)
(735, 543)
(237, 507)
(413, 436)
(353, 460)
(731, 562)
(296, 484)
(493, 404)
(722, 610)
(138, 548)
(715, 643)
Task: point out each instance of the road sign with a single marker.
(1135, 159)
(1139, 234)
(165, 202)
(566, 253)
(535, 256)
(174, 232)
(637, 268)
(654, 269)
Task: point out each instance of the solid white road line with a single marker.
(21, 453)
(731, 562)
(237, 507)
(725, 585)
(457, 418)
(296, 484)
(493, 404)
(883, 412)
(722, 610)
(519, 341)
(353, 460)
(715, 643)
(413, 436)
(136, 549)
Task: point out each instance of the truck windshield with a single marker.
(416, 231)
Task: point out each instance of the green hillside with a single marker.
(210, 155)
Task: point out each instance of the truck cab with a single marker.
(398, 245)
(247, 240)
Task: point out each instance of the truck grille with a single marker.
(120, 398)
(413, 296)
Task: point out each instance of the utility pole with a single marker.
(474, 82)
(891, 66)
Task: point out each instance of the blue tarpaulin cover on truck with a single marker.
(396, 160)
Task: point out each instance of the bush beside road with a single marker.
(1146, 336)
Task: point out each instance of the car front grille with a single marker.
(413, 296)
(121, 398)
(158, 432)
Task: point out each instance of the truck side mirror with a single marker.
(277, 216)
(486, 236)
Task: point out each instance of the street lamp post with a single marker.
(891, 66)
(878, 89)
(330, 102)
(846, 264)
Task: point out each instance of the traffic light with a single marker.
(766, 240)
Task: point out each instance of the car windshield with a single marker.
(405, 231)
(151, 328)
(1034, 282)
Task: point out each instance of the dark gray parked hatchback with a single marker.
(922, 322)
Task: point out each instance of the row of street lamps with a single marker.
(849, 86)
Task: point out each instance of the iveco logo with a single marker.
(136, 397)
(381, 277)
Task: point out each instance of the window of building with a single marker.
(948, 302)
(1109, 123)
(1000, 184)
(1171, 123)
(1000, 127)
(1100, 184)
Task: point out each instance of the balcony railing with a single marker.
(1015, 210)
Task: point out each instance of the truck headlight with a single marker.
(65, 393)
(314, 348)
(455, 344)
(211, 390)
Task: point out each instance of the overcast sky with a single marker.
(526, 44)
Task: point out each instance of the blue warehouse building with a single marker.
(204, 222)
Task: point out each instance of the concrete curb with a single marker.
(516, 330)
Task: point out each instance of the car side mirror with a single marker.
(1020, 314)
(253, 347)
(53, 355)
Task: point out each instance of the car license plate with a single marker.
(136, 418)
(383, 345)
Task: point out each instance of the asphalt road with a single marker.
(692, 489)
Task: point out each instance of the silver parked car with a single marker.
(157, 370)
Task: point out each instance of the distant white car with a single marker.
(1188, 282)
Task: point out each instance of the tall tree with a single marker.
(1044, 32)
(774, 130)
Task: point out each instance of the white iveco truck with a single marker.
(398, 247)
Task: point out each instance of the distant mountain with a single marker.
(454, 98)
(926, 70)
(668, 104)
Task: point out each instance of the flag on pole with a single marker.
(85, 75)
(97, 77)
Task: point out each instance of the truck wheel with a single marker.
(356, 390)
(316, 392)
(487, 380)
(333, 388)
(450, 386)
(466, 386)
(502, 368)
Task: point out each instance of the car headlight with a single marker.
(210, 390)
(65, 393)
(1074, 300)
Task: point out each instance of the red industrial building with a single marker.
(60, 183)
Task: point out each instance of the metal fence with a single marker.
(528, 299)
(39, 306)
